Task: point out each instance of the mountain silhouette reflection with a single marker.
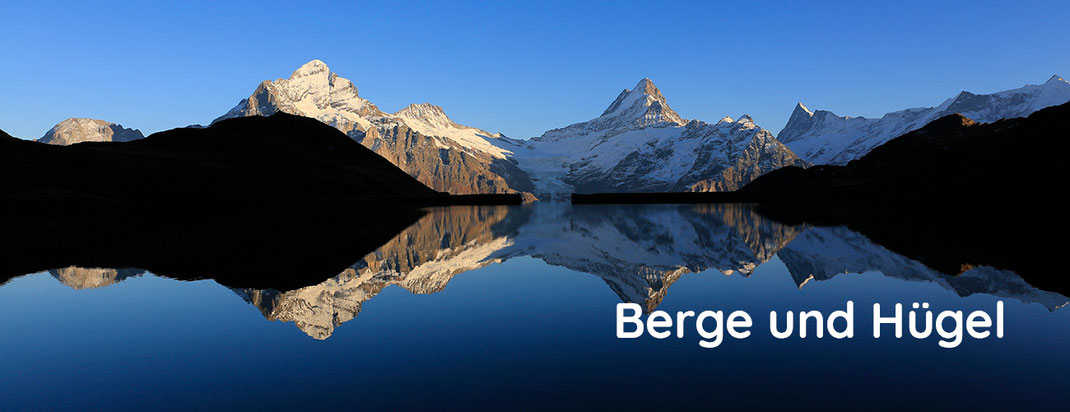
(638, 251)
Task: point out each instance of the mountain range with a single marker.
(951, 158)
(637, 144)
(822, 137)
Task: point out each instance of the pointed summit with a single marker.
(647, 86)
(801, 120)
(644, 105)
(799, 108)
(1055, 79)
(636, 108)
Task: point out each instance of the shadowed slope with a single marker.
(247, 161)
(280, 201)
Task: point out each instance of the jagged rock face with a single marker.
(727, 164)
(639, 144)
(822, 137)
(420, 139)
(91, 278)
(445, 169)
(77, 130)
(422, 259)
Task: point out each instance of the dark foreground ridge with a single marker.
(252, 161)
(280, 202)
(287, 249)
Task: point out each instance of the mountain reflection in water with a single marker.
(638, 251)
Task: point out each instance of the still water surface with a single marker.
(514, 307)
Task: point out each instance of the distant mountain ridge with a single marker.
(953, 158)
(640, 144)
(78, 130)
(822, 137)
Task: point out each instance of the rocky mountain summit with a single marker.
(640, 144)
(77, 130)
(822, 137)
(420, 139)
(636, 108)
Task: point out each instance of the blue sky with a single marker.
(518, 67)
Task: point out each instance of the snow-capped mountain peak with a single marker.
(311, 91)
(639, 107)
(642, 105)
(644, 92)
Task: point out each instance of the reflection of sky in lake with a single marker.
(519, 332)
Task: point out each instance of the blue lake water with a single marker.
(514, 308)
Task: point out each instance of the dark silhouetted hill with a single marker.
(246, 161)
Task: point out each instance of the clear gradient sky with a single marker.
(518, 67)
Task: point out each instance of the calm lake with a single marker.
(515, 308)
